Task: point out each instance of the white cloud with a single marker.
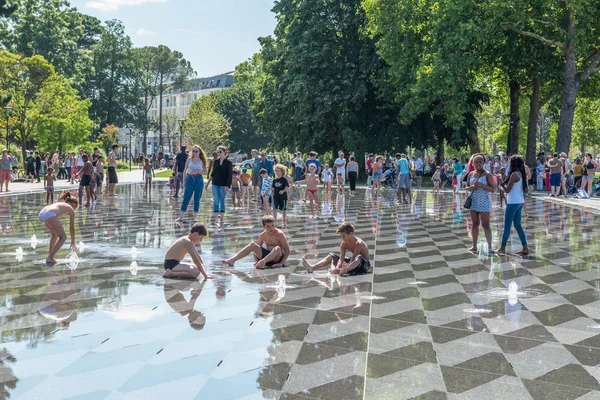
(145, 32)
(113, 5)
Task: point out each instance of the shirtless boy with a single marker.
(312, 180)
(148, 173)
(357, 264)
(85, 181)
(49, 185)
(271, 249)
(174, 268)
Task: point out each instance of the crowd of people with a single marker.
(268, 184)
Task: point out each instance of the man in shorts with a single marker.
(555, 175)
(403, 180)
(270, 250)
(255, 174)
(357, 264)
(180, 161)
(418, 164)
(112, 170)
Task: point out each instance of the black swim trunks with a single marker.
(85, 180)
(363, 267)
(112, 175)
(265, 253)
(280, 203)
(170, 264)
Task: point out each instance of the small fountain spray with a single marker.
(19, 254)
(133, 268)
(73, 261)
(81, 247)
(34, 241)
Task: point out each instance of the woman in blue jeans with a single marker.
(220, 177)
(193, 182)
(515, 199)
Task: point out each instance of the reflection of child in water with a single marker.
(55, 309)
(173, 291)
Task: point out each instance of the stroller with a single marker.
(596, 189)
(389, 178)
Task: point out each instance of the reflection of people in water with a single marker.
(173, 291)
(55, 308)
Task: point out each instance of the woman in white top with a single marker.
(515, 199)
(193, 182)
(340, 171)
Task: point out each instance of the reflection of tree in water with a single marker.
(9, 380)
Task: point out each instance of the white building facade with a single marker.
(178, 102)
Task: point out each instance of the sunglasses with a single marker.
(195, 151)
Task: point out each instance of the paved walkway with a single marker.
(127, 177)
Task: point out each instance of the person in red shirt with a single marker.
(369, 167)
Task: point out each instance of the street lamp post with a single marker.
(7, 109)
(130, 130)
(181, 122)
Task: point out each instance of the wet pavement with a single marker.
(431, 321)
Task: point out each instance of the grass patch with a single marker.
(164, 174)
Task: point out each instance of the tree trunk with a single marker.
(160, 140)
(512, 146)
(473, 141)
(534, 113)
(439, 155)
(570, 88)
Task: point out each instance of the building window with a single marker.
(218, 82)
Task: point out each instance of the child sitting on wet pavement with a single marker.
(271, 249)
(174, 268)
(357, 264)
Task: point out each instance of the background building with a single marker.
(178, 102)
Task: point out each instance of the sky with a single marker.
(214, 35)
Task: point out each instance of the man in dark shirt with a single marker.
(178, 167)
(30, 166)
(38, 165)
(95, 155)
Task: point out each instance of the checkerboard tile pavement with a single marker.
(423, 325)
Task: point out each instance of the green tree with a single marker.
(109, 135)
(319, 92)
(569, 29)
(234, 105)
(23, 78)
(170, 126)
(55, 30)
(109, 85)
(205, 127)
(63, 117)
(6, 9)
(172, 71)
(145, 89)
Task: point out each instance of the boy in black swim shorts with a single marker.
(357, 264)
(271, 249)
(174, 268)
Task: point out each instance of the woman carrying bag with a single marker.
(480, 184)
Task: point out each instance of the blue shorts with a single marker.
(555, 179)
(377, 175)
(419, 173)
(588, 178)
